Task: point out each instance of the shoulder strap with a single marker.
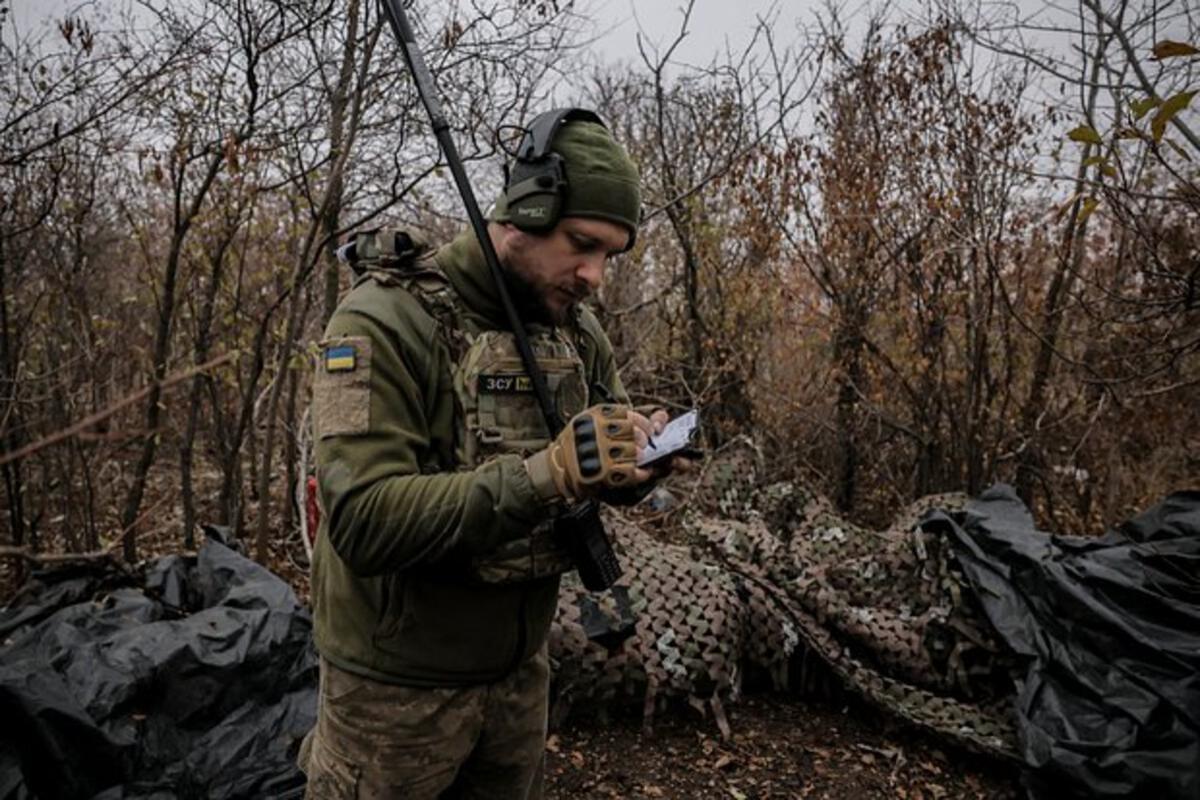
(426, 281)
(393, 257)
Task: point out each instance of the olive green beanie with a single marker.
(602, 180)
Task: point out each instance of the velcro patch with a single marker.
(341, 358)
(505, 384)
(342, 387)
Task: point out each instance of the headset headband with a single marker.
(536, 142)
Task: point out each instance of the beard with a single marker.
(531, 295)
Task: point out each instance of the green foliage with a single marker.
(1086, 134)
(1086, 208)
(1167, 111)
(1143, 107)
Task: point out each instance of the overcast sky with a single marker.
(713, 22)
(713, 25)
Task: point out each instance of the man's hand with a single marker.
(656, 421)
(596, 450)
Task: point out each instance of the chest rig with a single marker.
(497, 412)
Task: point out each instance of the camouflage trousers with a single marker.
(379, 740)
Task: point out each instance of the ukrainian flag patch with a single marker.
(341, 358)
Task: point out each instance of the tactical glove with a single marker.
(595, 451)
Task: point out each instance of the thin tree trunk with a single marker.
(14, 480)
(1029, 463)
(91, 539)
(231, 499)
(265, 471)
(289, 450)
(850, 381)
(339, 102)
(133, 501)
(978, 320)
(200, 355)
(162, 344)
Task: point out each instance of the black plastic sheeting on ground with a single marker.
(198, 684)
(1109, 704)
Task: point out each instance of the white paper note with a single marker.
(675, 436)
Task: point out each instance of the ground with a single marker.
(781, 747)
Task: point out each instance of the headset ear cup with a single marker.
(535, 212)
(535, 191)
(547, 206)
(534, 194)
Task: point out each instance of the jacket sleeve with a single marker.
(373, 436)
(600, 362)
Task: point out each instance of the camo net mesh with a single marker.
(770, 577)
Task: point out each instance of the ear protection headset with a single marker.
(537, 183)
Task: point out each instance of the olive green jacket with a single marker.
(400, 516)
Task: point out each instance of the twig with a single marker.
(104, 414)
(8, 551)
(109, 551)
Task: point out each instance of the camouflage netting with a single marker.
(771, 576)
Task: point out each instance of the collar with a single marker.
(463, 263)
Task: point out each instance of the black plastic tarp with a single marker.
(1108, 628)
(199, 683)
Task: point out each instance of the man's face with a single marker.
(551, 274)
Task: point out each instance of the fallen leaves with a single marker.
(780, 748)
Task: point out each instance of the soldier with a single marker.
(436, 569)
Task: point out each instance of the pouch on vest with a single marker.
(499, 405)
(501, 415)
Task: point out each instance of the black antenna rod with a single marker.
(441, 129)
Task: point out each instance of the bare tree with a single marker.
(208, 127)
(66, 97)
(1129, 69)
(701, 136)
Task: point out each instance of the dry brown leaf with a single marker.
(1170, 49)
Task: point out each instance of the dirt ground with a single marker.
(781, 747)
